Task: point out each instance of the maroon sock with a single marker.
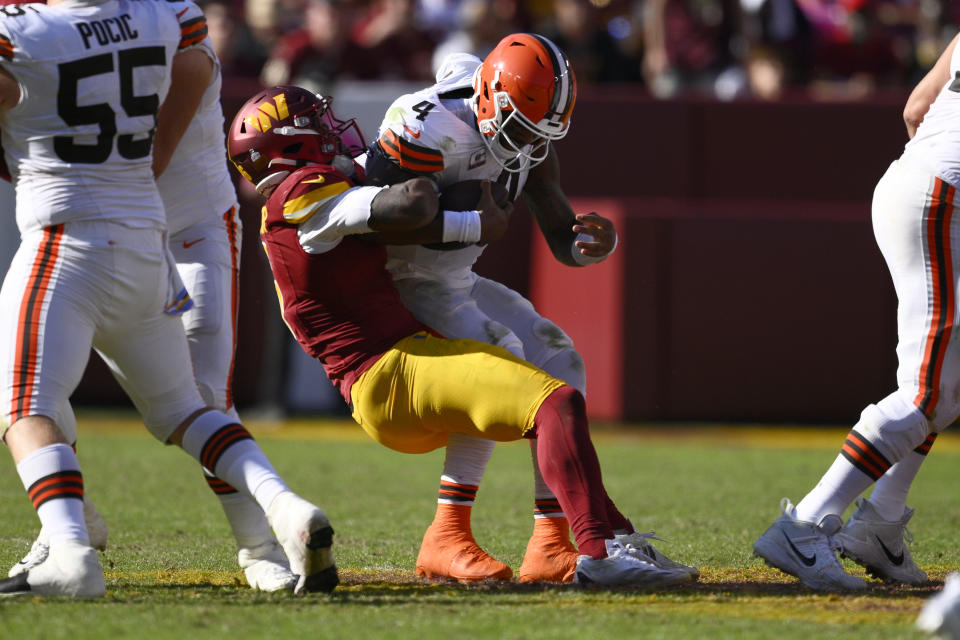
(617, 520)
(571, 469)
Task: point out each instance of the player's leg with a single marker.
(208, 260)
(549, 556)
(66, 421)
(468, 387)
(44, 347)
(875, 533)
(448, 548)
(148, 354)
(913, 224)
(889, 495)
(570, 466)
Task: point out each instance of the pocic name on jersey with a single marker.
(107, 30)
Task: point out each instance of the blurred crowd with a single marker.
(723, 49)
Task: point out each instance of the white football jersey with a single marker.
(92, 74)
(438, 137)
(936, 146)
(196, 184)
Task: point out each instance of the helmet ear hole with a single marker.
(293, 148)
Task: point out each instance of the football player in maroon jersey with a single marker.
(407, 388)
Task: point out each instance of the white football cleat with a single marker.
(39, 551)
(305, 533)
(941, 613)
(267, 568)
(96, 531)
(72, 569)
(806, 550)
(639, 543)
(878, 545)
(622, 568)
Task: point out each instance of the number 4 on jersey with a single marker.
(423, 108)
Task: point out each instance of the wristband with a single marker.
(461, 226)
(583, 260)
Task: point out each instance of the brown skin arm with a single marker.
(393, 201)
(190, 76)
(9, 90)
(556, 219)
(927, 90)
(403, 207)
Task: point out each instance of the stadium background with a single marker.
(747, 285)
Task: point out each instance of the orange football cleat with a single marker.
(550, 556)
(448, 550)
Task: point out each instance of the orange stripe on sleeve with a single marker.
(410, 156)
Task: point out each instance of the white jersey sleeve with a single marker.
(935, 148)
(92, 75)
(196, 185)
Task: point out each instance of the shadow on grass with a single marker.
(387, 588)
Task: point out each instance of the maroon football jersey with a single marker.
(340, 305)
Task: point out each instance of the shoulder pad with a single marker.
(309, 189)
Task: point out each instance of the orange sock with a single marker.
(550, 556)
(448, 549)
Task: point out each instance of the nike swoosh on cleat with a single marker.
(809, 561)
(897, 560)
(187, 245)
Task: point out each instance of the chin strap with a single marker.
(268, 184)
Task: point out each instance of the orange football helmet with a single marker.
(523, 95)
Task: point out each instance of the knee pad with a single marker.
(894, 426)
(500, 336)
(162, 414)
(555, 355)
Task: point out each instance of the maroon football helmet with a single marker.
(284, 128)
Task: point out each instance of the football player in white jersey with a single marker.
(80, 85)
(493, 120)
(204, 233)
(919, 236)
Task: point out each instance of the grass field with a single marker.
(710, 491)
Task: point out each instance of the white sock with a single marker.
(51, 475)
(466, 460)
(837, 489)
(230, 452)
(545, 503)
(247, 520)
(889, 497)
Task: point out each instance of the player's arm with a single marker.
(9, 90)
(190, 75)
(382, 169)
(401, 208)
(574, 239)
(927, 89)
(9, 98)
(327, 209)
(484, 224)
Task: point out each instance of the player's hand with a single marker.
(493, 218)
(603, 233)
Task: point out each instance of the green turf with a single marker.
(171, 570)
